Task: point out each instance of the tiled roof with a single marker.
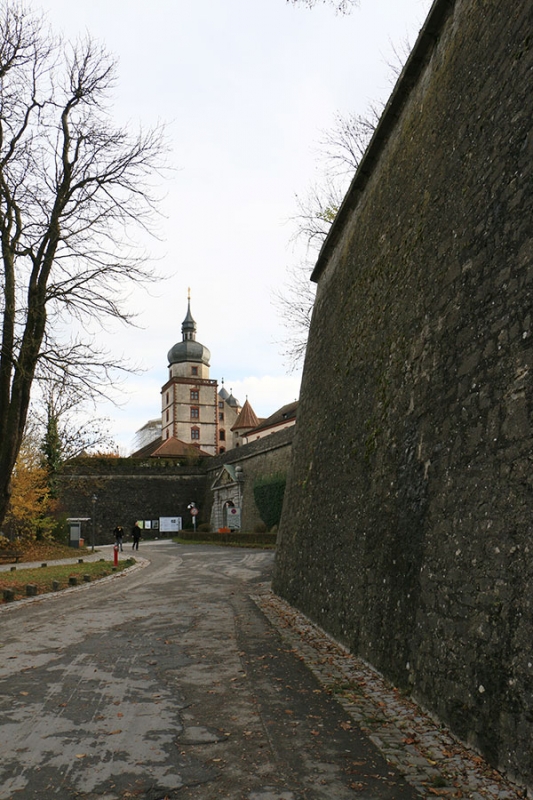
(246, 419)
(284, 414)
(169, 448)
(173, 447)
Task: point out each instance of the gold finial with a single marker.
(189, 293)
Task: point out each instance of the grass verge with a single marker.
(55, 578)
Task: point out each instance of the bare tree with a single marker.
(316, 210)
(295, 305)
(341, 148)
(72, 187)
(66, 427)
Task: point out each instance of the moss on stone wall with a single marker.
(406, 529)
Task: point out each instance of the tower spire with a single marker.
(188, 326)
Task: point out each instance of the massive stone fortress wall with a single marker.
(407, 527)
(127, 491)
(130, 489)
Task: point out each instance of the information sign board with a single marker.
(170, 524)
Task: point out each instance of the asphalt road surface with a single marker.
(169, 682)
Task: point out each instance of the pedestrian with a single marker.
(119, 535)
(136, 534)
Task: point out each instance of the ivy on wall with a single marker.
(268, 496)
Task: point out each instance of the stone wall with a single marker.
(130, 489)
(407, 525)
(127, 491)
(262, 457)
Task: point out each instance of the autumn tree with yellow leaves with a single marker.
(31, 508)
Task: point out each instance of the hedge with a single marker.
(268, 495)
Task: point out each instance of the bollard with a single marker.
(115, 556)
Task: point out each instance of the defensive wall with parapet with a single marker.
(408, 516)
(127, 490)
(132, 489)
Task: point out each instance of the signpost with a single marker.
(194, 513)
(234, 518)
(94, 498)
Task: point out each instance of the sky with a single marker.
(245, 89)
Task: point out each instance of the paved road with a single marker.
(169, 682)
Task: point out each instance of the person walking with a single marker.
(136, 534)
(119, 535)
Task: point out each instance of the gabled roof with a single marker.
(226, 476)
(246, 419)
(170, 448)
(286, 413)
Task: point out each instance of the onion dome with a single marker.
(188, 349)
(232, 401)
(223, 394)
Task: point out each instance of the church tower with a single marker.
(189, 398)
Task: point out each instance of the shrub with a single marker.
(260, 528)
(268, 495)
(205, 527)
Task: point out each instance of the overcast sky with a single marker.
(245, 88)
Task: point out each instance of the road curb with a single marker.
(431, 759)
(140, 563)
